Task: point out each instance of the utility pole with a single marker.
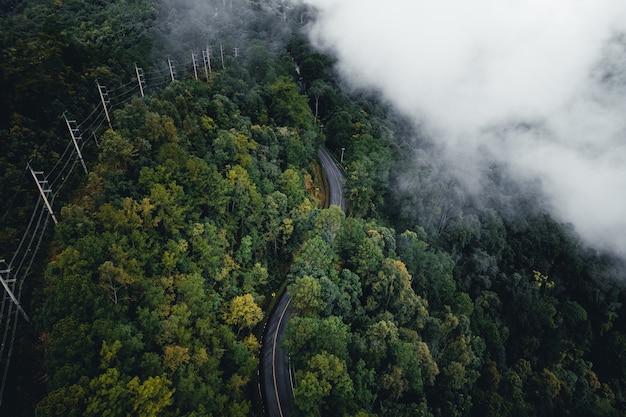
(5, 280)
(75, 134)
(343, 148)
(172, 69)
(106, 102)
(141, 79)
(195, 65)
(222, 54)
(206, 57)
(44, 193)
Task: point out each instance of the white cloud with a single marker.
(471, 71)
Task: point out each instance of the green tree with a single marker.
(360, 187)
(150, 397)
(116, 153)
(315, 258)
(321, 92)
(66, 401)
(432, 269)
(307, 336)
(114, 280)
(109, 395)
(324, 386)
(291, 185)
(243, 312)
(306, 295)
(288, 108)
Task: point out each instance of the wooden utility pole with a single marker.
(44, 192)
(141, 79)
(172, 69)
(206, 57)
(5, 279)
(106, 102)
(195, 65)
(76, 136)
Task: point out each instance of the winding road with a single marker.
(275, 375)
(336, 178)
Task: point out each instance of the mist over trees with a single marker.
(481, 81)
(205, 200)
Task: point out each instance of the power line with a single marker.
(16, 315)
(132, 91)
(67, 148)
(61, 174)
(121, 103)
(13, 274)
(99, 119)
(95, 109)
(122, 86)
(8, 209)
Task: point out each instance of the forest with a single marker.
(204, 200)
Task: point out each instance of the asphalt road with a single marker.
(336, 178)
(275, 376)
(274, 373)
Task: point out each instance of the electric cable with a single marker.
(123, 86)
(34, 253)
(100, 116)
(132, 90)
(123, 102)
(61, 173)
(68, 147)
(87, 118)
(67, 163)
(6, 213)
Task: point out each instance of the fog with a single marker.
(185, 26)
(538, 87)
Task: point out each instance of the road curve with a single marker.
(274, 373)
(336, 178)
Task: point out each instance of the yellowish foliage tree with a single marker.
(243, 311)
